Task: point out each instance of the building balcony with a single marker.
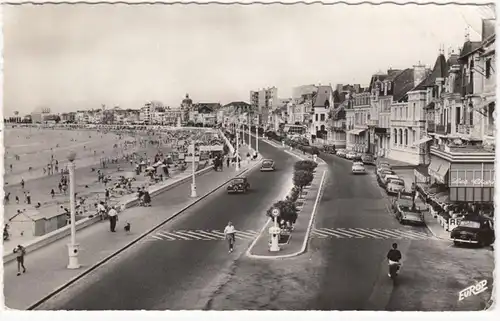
(431, 127)
(464, 129)
(372, 122)
(468, 89)
(443, 129)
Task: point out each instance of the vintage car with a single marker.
(329, 149)
(381, 177)
(406, 211)
(368, 159)
(474, 230)
(341, 153)
(358, 168)
(238, 185)
(267, 165)
(382, 167)
(350, 155)
(394, 186)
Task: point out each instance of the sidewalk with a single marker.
(46, 267)
(432, 223)
(297, 242)
(87, 186)
(395, 164)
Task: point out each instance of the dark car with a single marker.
(474, 230)
(406, 211)
(368, 159)
(329, 149)
(267, 165)
(238, 185)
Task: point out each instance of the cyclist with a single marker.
(229, 232)
(394, 256)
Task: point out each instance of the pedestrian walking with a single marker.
(52, 193)
(17, 199)
(113, 218)
(28, 198)
(20, 252)
(228, 160)
(22, 183)
(230, 232)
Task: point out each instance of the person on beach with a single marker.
(28, 198)
(17, 199)
(113, 217)
(20, 252)
(52, 193)
(11, 167)
(22, 183)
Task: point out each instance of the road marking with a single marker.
(351, 232)
(166, 236)
(210, 236)
(330, 232)
(186, 233)
(179, 236)
(156, 237)
(369, 233)
(377, 235)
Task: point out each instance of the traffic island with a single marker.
(287, 231)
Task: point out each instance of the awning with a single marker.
(422, 140)
(438, 169)
(356, 131)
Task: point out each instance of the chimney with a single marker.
(419, 73)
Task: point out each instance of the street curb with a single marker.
(133, 242)
(308, 231)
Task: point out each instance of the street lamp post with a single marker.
(193, 184)
(257, 135)
(73, 246)
(237, 167)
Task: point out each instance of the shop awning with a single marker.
(422, 141)
(438, 169)
(357, 131)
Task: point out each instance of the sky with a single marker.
(71, 57)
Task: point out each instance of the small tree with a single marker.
(294, 194)
(302, 178)
(288, 211)
(305, 165)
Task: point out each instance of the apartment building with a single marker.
(322, 101)
(359, 136)
(337, 130)
(462, 154)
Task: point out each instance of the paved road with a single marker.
(182, 273)
(344, 268)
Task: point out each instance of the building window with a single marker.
(488, 68)
(400, 137)
(406, 137)
(316, 117)
(406, 111)
(395, 136)
(322, 117)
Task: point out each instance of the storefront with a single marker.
(472, 182)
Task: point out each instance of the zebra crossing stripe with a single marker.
(335, 233)
(352, 232)
(175, 234)
(374, 235)
(187, 233)
(211, 236)
(156, 237)
(321, 233)
(407, 235)
(390, 235)
(317, 233)
(166, 236)
(418, 235)
(245, 233)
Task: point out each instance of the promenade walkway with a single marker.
(46, 267)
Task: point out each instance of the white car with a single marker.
(350, 155)
(341, 152)
(358, 168)
(395, 185)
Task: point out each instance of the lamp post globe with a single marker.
(72, 156)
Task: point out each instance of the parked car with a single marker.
(394, 186)
(379, 168)
(406, 211)
(329, 149)
(368, 159)
(238, 185)
(267, 165)
(385, 179)
(350, 155)
(341, 153)
(474, 230)
(358, 168)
